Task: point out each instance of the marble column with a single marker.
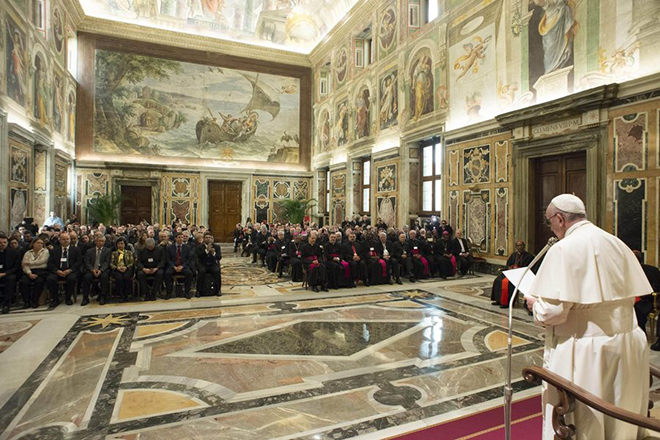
(50, 181)
(354, 188)
(4, 172)
(403, 215)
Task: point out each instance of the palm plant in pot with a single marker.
(293, 210)
(105, 208)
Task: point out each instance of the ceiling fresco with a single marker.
(293, 25)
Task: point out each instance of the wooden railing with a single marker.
(569, 392)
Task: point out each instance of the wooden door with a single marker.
(224, 209)
(556, 175)
(136, 204)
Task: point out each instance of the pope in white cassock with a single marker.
(584, 293)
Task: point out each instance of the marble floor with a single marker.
(262, 361)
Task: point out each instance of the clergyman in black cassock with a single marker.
(353, 253)
(502, 288)
(295, 252)
(338, 270)
(443, 256)
(401, 261)
(312, 257)
(421, 266)
(282, 250)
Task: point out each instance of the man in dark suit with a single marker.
(151, 263)
(208, 262)
(462, 253)
(260, 246)
(281, 248)
(402, 259)
(178, 263)
(97, 267)
(10, 264)
(64, 265)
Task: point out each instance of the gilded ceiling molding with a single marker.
(356, 15)
(101, 26)
(75, 11)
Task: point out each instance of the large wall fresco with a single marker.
(36, 73)
(288, 24)
(158, 107)
(479, 59)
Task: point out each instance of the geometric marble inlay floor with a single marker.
(372, 362)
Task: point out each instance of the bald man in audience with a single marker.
(64, 264)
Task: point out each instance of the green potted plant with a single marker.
(105, 209)
(293, 210)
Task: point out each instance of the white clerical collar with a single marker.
(575, 226)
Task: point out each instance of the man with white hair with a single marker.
(584, 294)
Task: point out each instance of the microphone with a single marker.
(508, 389)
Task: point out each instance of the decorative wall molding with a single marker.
(333, 39)
(99, 26)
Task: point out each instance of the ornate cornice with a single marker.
(355, 16)
(99, 26)
(75, 11)
(598, 97)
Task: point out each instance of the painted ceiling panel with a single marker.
(294, 25)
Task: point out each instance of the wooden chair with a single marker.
(474, 250)
(61, 289)
(179, 281)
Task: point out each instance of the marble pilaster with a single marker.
(4, 171)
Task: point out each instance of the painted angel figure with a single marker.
(476, 50)
(621, 61)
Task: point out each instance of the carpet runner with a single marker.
(526, 420)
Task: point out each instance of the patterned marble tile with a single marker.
(333, 366)
(10, 332)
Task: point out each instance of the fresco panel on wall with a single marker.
(159, 107)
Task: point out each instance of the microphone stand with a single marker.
(508, 389)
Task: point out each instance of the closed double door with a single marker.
(554, 175)
(224, 209)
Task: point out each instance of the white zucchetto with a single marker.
(569, 203)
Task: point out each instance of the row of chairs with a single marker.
(135, 293)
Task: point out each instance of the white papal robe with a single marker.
(586, 288)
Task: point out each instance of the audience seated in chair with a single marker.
(179, 261)
(9, 267)
(97, 268)
(502, 288)
(35, 272)
(462, 253)
(122, 264)
(64, 263)
(208, 259)
(151, 263)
